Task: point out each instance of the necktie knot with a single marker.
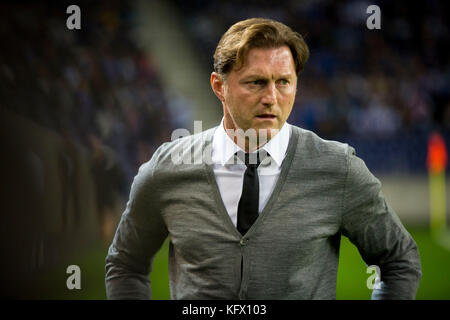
(252, 160)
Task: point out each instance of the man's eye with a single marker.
(257, 82)
(284, 82)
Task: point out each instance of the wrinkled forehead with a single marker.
(278, 60)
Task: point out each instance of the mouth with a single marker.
(267, 116)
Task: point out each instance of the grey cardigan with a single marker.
(291, 251)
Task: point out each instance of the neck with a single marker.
(249, 140)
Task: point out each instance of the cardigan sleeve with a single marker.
(375, 229)
(139, 236)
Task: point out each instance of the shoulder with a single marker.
(310, 145)
(331, 156)
(335, 159)
(180, 151)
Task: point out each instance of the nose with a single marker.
(269, 95)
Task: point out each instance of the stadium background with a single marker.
(82, 109)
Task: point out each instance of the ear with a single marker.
(217, 85)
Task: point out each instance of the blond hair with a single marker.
(257, 33)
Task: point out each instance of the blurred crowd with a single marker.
(377, 89)
(93, 86)
(95, 91)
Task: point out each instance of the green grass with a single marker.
(351, 282)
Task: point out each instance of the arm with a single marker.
(372, 225)
(138, 237)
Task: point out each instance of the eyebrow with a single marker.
(260, 76)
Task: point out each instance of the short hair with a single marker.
(257, 33)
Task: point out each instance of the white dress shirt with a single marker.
(229, 170)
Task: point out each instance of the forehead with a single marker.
(268, 61)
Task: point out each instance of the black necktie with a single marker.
(249, 202)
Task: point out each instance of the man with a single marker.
(267, 229)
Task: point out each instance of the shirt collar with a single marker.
(224, 148)
(277, 146)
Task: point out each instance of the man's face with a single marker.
(261, 94)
